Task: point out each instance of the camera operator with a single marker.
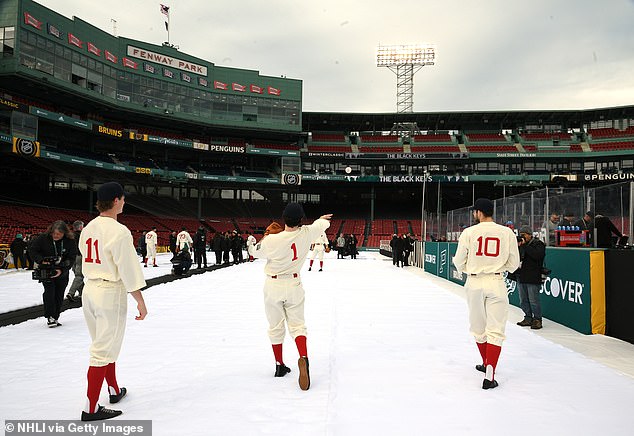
(529, 277)
(54, 253)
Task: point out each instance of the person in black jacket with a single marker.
(353, 246)
(173, 243)
(200, 247)
(604, 229)
(236, 247)
(587, 223)
(18, 248)
(57, 243)
(181, 262)
(529, 277)
(226, 247)
(399, 245)
(216, 246)
(142, 247)
(394, 252)
(78, 282)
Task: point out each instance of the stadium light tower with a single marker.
(405, 61)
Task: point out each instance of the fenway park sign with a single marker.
(167, 61)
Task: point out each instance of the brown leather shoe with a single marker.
(526, 322)
(304, 375)
(537, 324)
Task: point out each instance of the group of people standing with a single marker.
(346, 245)
(402, 247)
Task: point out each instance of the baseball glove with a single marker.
(273, 228)
(327, 249)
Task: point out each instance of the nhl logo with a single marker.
(26, 148)
(291, 179)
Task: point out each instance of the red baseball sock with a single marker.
(111, 379)
(277, 352)
(321, 264)
(96, 375)
(482, 347)
(300, 341)
(311, 263)
(493, 354)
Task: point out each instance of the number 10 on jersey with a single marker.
(489, 246)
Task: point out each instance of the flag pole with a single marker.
(168, 28)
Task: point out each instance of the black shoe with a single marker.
(71, 298)
(320, 270)
(489, 384)
(155, 266)
(304, 374)
(281, 370)
(52, 322)
(309, 268)
(481, 368)
(101, 413)
(145, 266)
(117, 397)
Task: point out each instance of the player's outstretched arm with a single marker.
(138, 296)
(326, 217)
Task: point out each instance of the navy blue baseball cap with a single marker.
(484, 205)
(293, 211)
(109, 191)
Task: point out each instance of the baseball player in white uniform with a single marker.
(184, 238)
(319, 246)
(151, 239)
(283, 292)
(111, 271)
(251, 241)
(484, 252)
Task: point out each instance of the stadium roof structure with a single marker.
(461, 120)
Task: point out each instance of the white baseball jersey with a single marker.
(151, 238)
(487, 248)
(321, 242)
(108, 253)
(286, 251)
(183, 238)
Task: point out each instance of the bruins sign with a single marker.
(26, 148)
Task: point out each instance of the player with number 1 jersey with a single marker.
(285, 253)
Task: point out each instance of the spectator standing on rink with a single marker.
(550, 226)
(529, 278)
(393, 243)
(484, 252)
(111, 273)
(285, 253)
(18, 248)
(29, 261)
(173, 243)
(151, 240)
(56, 249)
(78, 282)
(183, 239)
(142, 247)
(226, 247)
(216, 246)
(341, 246)
(353, 245)
(200, 247)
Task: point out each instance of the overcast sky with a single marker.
(491, 54)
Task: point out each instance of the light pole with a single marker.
(405, 61)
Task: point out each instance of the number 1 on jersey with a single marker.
(294, 248)
(89, 258)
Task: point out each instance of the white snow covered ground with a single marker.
(389, 348)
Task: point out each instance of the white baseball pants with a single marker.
(488, 304)
(284, 302)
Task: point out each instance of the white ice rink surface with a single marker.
(390, 354)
